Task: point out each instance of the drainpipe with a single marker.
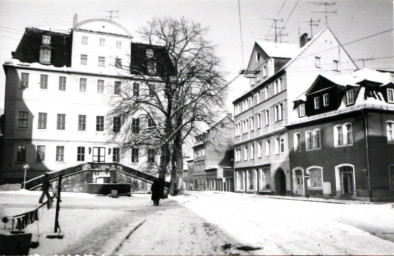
(367, 149)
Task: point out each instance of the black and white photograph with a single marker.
(197, 127)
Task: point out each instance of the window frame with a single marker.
(21, 154)
(24, 80)
(62, 83)
(80, 154)
(59, 153)
(316, 102)
(308, 171)
(390, 137)
(350, 100)
(43, 81)
(326, 100)
(83, 84)
(100, 123)
(84, 59)
(390, 99)
(61, 122)
(101, 61)
(317, 62)
(42, 120)
(23, 119)
(134, 154)
(100, 86)
(40, 153)
(297, 142)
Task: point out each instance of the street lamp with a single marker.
(25, 166)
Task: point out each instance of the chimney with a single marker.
(303, 39)
(75, 20)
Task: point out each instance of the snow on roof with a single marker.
(64, 30)
(280, 50)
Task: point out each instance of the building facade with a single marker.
(61, 88)
(278, 74)
(341, 144)
(212, 167)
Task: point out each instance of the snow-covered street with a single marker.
(208, 223)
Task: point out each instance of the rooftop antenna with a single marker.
(326, 5)
(313, 23)
(110, 17)
(278, 33)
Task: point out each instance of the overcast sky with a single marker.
(355, 24)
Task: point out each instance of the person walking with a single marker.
(157, 191)
(46, 184)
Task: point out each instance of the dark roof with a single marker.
(29, 47)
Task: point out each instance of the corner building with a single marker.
(278, 74)
(61, 86)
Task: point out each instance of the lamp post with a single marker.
(25, 166)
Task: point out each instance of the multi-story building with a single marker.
(278, 73)
(213, 157)
(61, 89)
(342, 142)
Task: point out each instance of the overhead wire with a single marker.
(277, 15)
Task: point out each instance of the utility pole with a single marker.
(110, 14)
(278, 33)
(313, 23)
(326, 11)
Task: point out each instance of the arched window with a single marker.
(315, 180)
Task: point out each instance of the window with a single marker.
(60, 153)
(82, 84)
(316, 101)
(119, 44)
(151, 155)
(40, 157)
(252, 123)
(282, 145)
(81, 154)
(257, 95)
(259, 145)
(343, 135)
(43, 81)
(100, 86)
(84, 59)
(84, 40)
(152, 68)
(115, 155)
(81, 122)
(116, 124)
(279, 112)
(258, 120)
(102, 42)
(315, 178)
(350, 97)
(21, 153)
(62, 83)
(117, 87)
(264, 71)
(151, 123)
(45, 56)
(336, 65)
(99, 123)
(135, 125)
(317, 62)
(118, 62)
(149, 53)
(326, 102)
(134, 155)
(46, 39)
(245, 153)
(251, 151)
(312, 139)
(24, 80)
(390, 131)
(297, 142)
(61, 121)
(237, 155)
(308, 140)
(136, 89)
(265, 92)
(42, 120)
(301, 110)
(151, 91)
(23, 119)
(257, 57)
(277, 141)
(267, 147)
(267, 117)
(390, 95)
(101, 61)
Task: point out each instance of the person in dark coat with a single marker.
(157, 191)
(46, 184)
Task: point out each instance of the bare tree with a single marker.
(181, 86)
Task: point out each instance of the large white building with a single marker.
(61, 87)
(279, 73)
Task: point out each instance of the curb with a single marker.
(120, 244)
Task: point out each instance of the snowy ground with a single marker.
(206, 223)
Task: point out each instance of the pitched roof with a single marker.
(279, 50)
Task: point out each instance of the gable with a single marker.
(321, 83)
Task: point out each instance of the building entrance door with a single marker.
(280, 182)
(98, 155)
(298, 183)
(347, 184)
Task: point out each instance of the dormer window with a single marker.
(326, 101)
(46, 39)
(316, 101)
(149, 53)
(390, 95)
(301, 110)
(350, 97)
(45, 56)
